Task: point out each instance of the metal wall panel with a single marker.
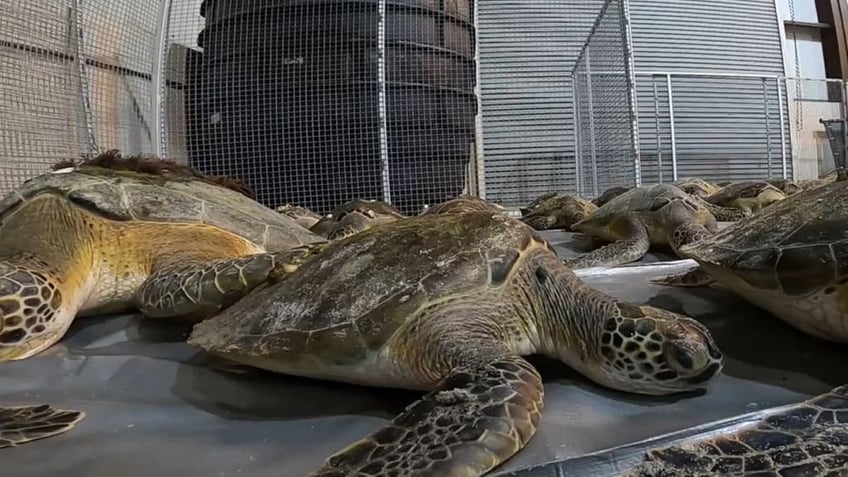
(527, 50)
(722, 130)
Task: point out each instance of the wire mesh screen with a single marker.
(73, 80)
(605, 105)
(320, 102)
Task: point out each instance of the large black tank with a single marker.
(288, 99)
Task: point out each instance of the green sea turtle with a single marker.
(559, 212)
(462, 204)
(696, 186)
(610, 194)
(660, 216)
(787, 186)
(837, 175)
(449, 304)
(304, 217)
(353, 217)
(748, 196)
(806, 439)
(113, 234)
(535, 203)
(790, 259)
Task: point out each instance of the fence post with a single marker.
(480, 156)
(630, 78)
(768, 126)
(82, 71)
(591, 124)
(381, 101)
(671, 127)
(782, 126)
(158, 77)
(658, 136)
(578, 150)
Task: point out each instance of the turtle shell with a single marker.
(739, 190)
(132, 196)
(356, 294)
(799, 243)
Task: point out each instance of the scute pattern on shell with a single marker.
(133, 196)
(789, 236)
(808, 439)
(365, 288)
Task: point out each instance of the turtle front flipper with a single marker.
(631, 249)
(694, 277)
(19, 425)
(198, 287)
(482, 414)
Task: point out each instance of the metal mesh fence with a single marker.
(319, 102)
(605, 105)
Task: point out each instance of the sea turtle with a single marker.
(115, 233)
(610, 194)
(837, 175)
(790, 259)
(536, 203)
(353, 217)
(660, 215)
(806, 439)
(748, 196)
(696, 186)
(303, 216)
(462, 204)
(559, 212)
(449, 304)
(787, 186)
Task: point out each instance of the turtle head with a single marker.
(652, 351)
(683, 209)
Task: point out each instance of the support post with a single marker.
(671, 127)
(630, 77)
(782, 128)
(768, 126)
(657, 135)
(381, 102)
(591, 125)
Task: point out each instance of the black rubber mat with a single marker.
(158, 407)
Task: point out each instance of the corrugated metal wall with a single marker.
(527, 49)
(721, 126)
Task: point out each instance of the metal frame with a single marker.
(578, 180)
(671, 127)
(76, 20)
(381, 101)
(768, 126)
(478, 92)
(630, 68)
(158, 77)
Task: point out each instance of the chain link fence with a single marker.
(605, 105)
(409, 101)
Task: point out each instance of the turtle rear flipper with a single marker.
(634, 247)
(22, 424)
(197, 287)
(482, 414)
